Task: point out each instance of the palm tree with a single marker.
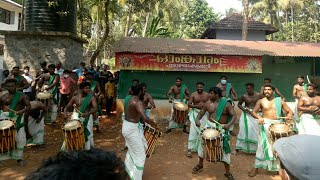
(245, 4)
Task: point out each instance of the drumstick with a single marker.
(74, 106)
(12, 110)
(283, 117)
(216, 122)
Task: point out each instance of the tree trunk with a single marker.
(22, 16)
(81, 18)
(128, 21)
(271, 16)
(146, 25)
(245, 4)
(105, 35)
(292, 36)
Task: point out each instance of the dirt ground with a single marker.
(169, 161)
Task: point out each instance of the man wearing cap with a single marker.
(298, 157)
(309, 108)
(271, 108)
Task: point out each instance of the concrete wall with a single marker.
(237, 35)
(15, 9)
(29, 49)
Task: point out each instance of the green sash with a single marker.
(228, 88)
(55, 90)
(246, 129)
(278, 105)
(305, 87)
(222, 104)
(93, 85)
(183, 88)
(82, 109)
(126, 101)
(13, 106)
(18, 78)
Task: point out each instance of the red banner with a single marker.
(177, 62)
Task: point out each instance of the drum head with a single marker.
(71, 125)
(44, 95)
(280, 128)
(210, 133)
(5, 124)
(181, 106)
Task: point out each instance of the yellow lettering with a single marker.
(186, 59)
(177, 59)
(223, 62)
(162, 58)
(216, 61)
(199, 60)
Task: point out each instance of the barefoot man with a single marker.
(181, 94)
(309, 107)
(22, 83)
(248, 126)
(133, 133)
(50, 82)
(271, 108)
(196, 102)
(228, 90)
(220, 110)
(13, 105)
(85, 105)
(299, 90)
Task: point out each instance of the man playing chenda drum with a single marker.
(309, 107)
(147, 100)
(85, 105)
(13, 105)
(133, 133)
(180, 94)
(220, 110)
(196, 101)
(271, 108)
(248, 126)
(50, 82)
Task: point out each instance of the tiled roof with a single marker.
(216, 46)
(235, 22)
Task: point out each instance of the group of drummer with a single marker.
(23, 121)
(265, 118)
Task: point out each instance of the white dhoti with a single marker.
(20, 139)
(36, 131)
(309, 124)
(194, 134)
(89, 142)
(51, 116)
(137, 146)
(264, 155)
(225, 156)
(248, 136)
(172, 123)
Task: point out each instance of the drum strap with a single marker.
(222, 104)
(93, 85)
(228, 88)
(14, 102)
(83, 107)
(278, 105)
(18, 78)
(305, 87)
(183, 88)
(55, 90)
(126, 101)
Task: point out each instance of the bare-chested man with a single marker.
(268, 81)
(85, 105)
(147, 100)
(228, 90)
(220, 110)
(248, 126)
(196, 101)
(133, 133)
(180, 94)
(35, 126)
(50, 82)
(299, 89)
(13, 105)
(22, 83)
(271, 108)
(134, 82)
(309, 108)
(96, 91)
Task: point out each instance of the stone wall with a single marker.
(31, 48)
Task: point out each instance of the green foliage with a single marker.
(156, 30)
(198, 18)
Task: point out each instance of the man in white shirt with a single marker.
(29, 78)
(59, 70)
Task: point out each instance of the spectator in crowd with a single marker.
(87, 164)
(79, 71)
(66, 83)
(30, 79)
(110, 94)
(58, 69)
(83, 76)
(5, 73)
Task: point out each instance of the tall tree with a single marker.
(245, 4)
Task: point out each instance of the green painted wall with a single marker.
(282, 71)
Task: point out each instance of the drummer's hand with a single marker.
(38, 120)
(65, 118)
(18, 112)
(200, 105)
(224, 126)
(170, 100)
(198, 123)
(84, 115)
(260, 120)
